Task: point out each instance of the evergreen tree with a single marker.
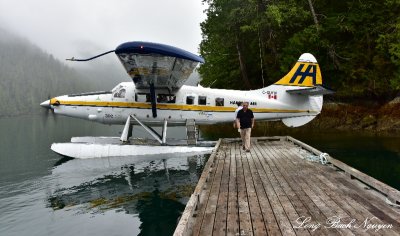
(253, 43)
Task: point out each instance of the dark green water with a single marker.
(376, 156)
(44, 194)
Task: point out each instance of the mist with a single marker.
(74, 28)
(83, 29)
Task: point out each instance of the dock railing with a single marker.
(191, 207)
(392, 194)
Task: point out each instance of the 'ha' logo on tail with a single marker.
(306, 73)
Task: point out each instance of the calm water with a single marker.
(44, 194)
(377, 156)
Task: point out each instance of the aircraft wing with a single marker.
(162, 65)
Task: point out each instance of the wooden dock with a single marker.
(279, 188)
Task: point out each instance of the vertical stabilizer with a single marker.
(305, 73)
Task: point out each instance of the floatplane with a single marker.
(158, 96)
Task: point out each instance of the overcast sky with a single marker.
(81, 28)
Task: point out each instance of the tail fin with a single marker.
(305, 73)
(304, 80)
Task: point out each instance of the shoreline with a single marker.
(351, 117)
(335, 117)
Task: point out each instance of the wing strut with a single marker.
(153, 100)
(162, 139)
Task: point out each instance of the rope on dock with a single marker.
(322, 158)
(391, 203)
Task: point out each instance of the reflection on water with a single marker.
(62, 161)
(42, 193)
(156, 192)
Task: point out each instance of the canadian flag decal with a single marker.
(272, 95)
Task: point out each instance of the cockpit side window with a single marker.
(120, 93)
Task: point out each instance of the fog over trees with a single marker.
(29, 76)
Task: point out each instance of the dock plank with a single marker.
(293, 206)
(356, 203)
(204, 197)
(312, 208)
(272, 189)
(256, 216)
(211, 208)
(233, 213)
(220, 222)
(328, 184)
(310, 178)
(245, 226)
(320, 199)
(257, 172)
(271, 185)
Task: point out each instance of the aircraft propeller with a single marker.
(49, 105)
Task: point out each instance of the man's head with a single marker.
(245, 105)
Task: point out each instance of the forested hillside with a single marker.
(250, 44)
(28, 76)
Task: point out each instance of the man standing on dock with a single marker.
(240, 107)
(245, 122)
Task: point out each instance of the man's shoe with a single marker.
(248, 150)
(244, 148)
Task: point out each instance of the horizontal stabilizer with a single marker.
(311, 91)
(297, 121)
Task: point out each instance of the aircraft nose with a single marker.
(45, 104)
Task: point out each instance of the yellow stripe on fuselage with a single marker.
(163, 106)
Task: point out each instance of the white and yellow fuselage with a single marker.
(279, 101)
(271, 103)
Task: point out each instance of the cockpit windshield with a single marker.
(119, 91)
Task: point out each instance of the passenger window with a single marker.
(202, 100)
(171, 99)
(166, 98)
(190, 100)
(140, 97)
(161, 98)
(219, 102)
